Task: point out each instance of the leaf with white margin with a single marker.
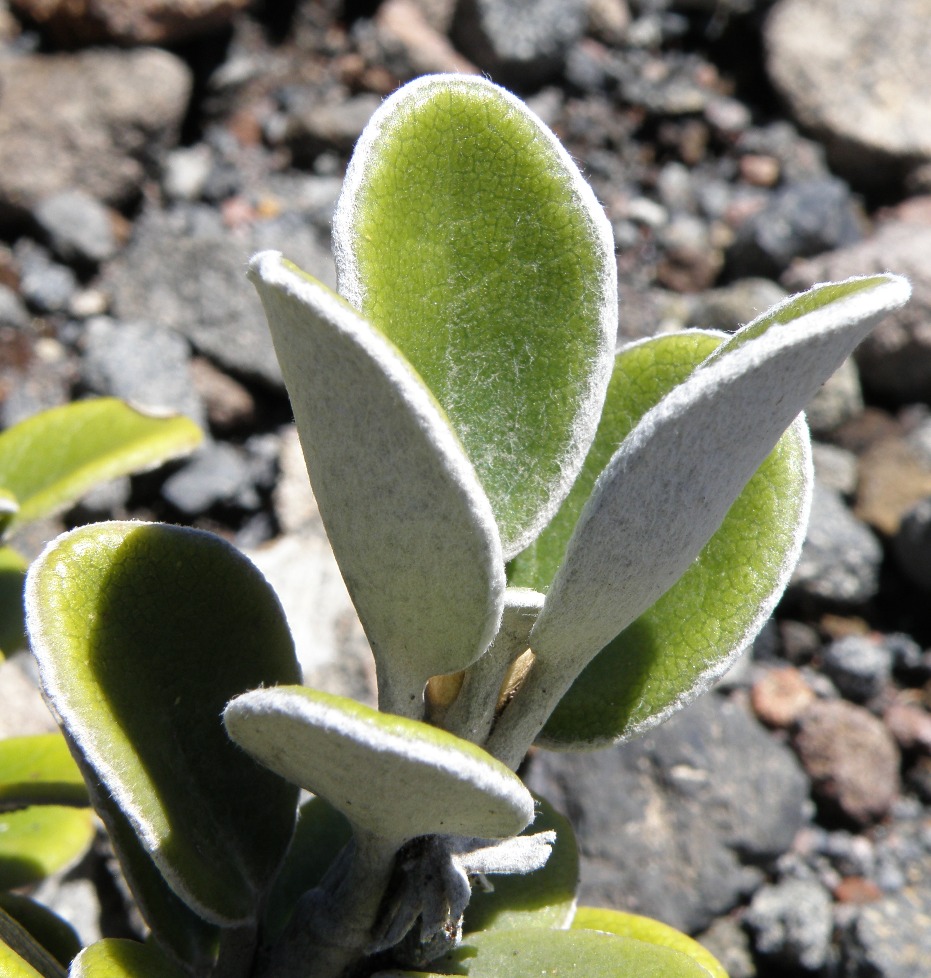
(392, 777)
(143, 632)
(693, 633)
(121, 958)
(410, 525)
(466, 233)
(26, 922)
(649, 930)
(533, 952)
(669, 486)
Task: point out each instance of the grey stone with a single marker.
(93, 121)
(46, 285)
(856, 72)
(145, 364)
(858, 666)
(891, 938)
(895, 359)
(730, 945)
(840, 558)
(732, 306)
(185, 172)
(912, 545)
(185, 270)
(791, 922)
(78, 227)
(674, 825)
(12, 311)
(518, 41)
(835, 468)
(839, 399)
(218, 473)
(800, 219)
(311, 126)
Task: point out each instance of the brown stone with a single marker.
(892, 480)
(780, 696)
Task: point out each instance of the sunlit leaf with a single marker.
(39, 769)
(21, 953)
(649, 930)
(466, 233)
(393, 777)
(36, 842)
(112, 958)
(12, 575)
(411, 528)
(54, 935)
(143, 633)
(50, 460)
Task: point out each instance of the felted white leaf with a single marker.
(412, 529)
(390, 776)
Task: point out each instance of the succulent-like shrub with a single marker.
(545, 542)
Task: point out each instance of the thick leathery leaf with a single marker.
(545, 898)
(50, 460)
(649, 930)
(55, 936)
(533, 952)
(143, 632)
(694, 632)
(14, 965)
(38, 841)
(466, 233)
(118, 958)
(669, 486)
(39, 769)
(411, 528)
(392, 777)
(320, 833)
(12, 624)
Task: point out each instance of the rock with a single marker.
(78, 227)
(518, 42)
(46, 285)
(895, 359)
(893, 478)
(835, 468)
(909, 723)
(911, 545)
(412, 45)
(228, 403)
(892, 937)
(734, 305)
(312, 126)
(840, 558)
(800, 219)
(838, 400)
(730, 945)
(218, 473)
(779, 697)
(851, 759)
(674, 825)
(42, 379)
(70, 22)
(186, 170)
(189, 267)
(13, 313)
(142, 363)
(24, 710)
(859, 667)
(791, 923)
(857, 74)
(93, 121)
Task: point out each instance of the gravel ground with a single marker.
(741, 149)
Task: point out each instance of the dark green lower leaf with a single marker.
(12, 625)
(38, 841)
(52, 933)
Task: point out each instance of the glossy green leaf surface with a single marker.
(410, 526)
(116, 958)
(669, 486)
(39, 769)
(36, 842)
(695, 630)
(393, 777)
(320, 833)
(143, 632)
(544, 898)
(50, 460)
(12, 625)
(466, 233)
(55, 936)
(649, 930)
(535, 952)
(13, 965)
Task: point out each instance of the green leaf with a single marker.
(534, 952)
(117, 958)
(649, 930)
(693, 633)
(39, 770)
(50, 460)
(320, 833)
(411, 528)
(12, 625)
(670, 484)
(14, 965)
(468, 236)
(54, 935)
(8, 508)
(545, 898)
(143, 632)
(393, 777)
(36, 842)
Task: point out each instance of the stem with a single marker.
(237, 952)
(330, 933)
(400, 694)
